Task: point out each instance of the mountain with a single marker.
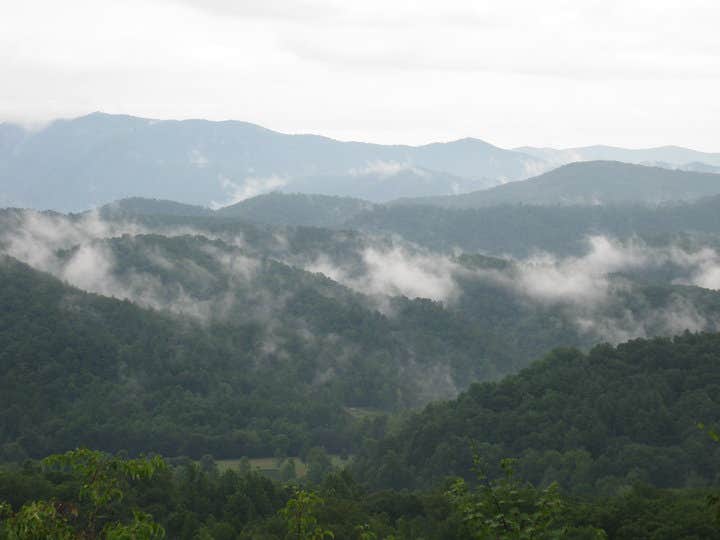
(83, 369)
(275, 208)
(589, 183)
(521, 230)
(81, 163)
(95, 159)
(172, 332)
(384, 182)
(671, 156)
(517, 230)
(597, 423)
(696, 166)
(296, 209)
(138, 206)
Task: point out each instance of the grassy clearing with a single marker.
(363, 412)
(271, 465)
(263, 465)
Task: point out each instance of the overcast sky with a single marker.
(513, 72)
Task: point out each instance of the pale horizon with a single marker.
(519, 73)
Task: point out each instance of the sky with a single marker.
(562, 73)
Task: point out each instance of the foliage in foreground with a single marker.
(515, 510)
(103, 480)
(89, 495)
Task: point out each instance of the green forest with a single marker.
(609, 444)
(377, 270)
(176, 373)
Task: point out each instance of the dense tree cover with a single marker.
(512, 509)
(85, 494)
(488, 330)
(596, 423)
(516, 229)
(85, 369)
(521, 229)
(99, 482)
(296, 209)
(274, 359)
(642, 304)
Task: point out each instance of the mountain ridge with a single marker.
(76, 164)
(588, 182)
(672, 154)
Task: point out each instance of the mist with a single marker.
(395, 271)
(78, 251)
(594, 291)
(597, 291)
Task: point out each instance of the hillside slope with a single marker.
(296, 209)
(596, 422)
(589, 183)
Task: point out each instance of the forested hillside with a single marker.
(280, 286)
(296, 209)
(522, 229)
(606, 426)
(80, 369)
(152, 326)
(147, 380)
(505, 229)
(594, 422)
(589, 183)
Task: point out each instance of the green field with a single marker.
(271, 465)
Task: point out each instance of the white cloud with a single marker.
(385, 169)
(250, 187)
(560, 73)
(579, 279)
(73, 251)
(396, 271)
(589, 294)
(586, 289)
(197, 158)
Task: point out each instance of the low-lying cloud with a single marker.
(545, 277)
(593, 291)
(77, 251)
(385, 169)
(250, 187)
(589, 277)
(396, 271)
(599, 292)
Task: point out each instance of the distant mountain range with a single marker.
(588, 183)
(76, 164)
(666, 156)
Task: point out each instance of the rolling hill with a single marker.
(296, 209)
(589, 183)
(522, 230)
(597, 423)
